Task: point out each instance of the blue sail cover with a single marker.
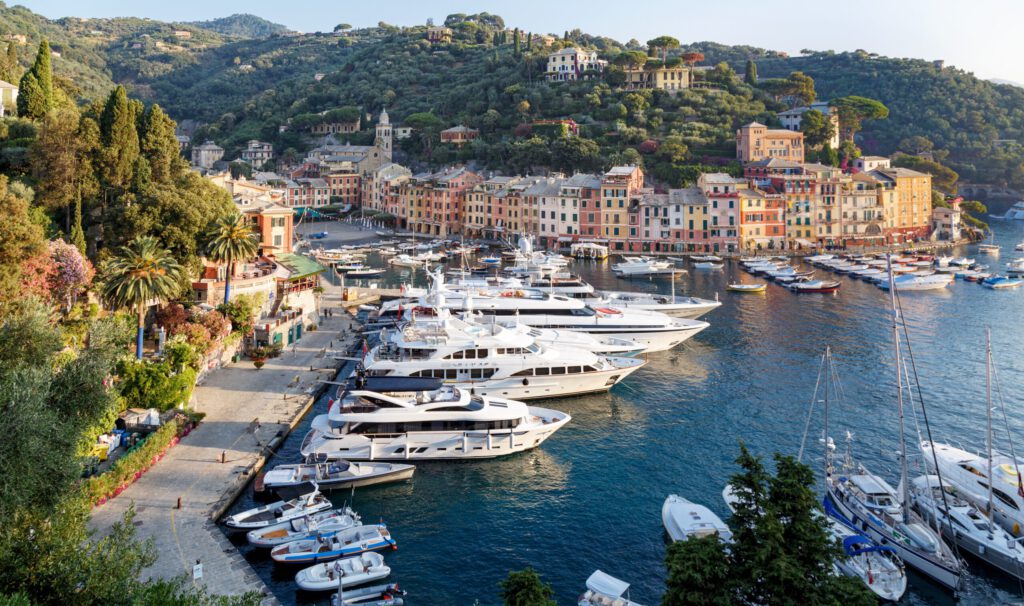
(851, 543)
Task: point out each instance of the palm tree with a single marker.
(231, 240)
(142, 272)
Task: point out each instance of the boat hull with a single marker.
(434, 446)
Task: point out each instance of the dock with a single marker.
(249, 412)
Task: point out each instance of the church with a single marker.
(360, 159)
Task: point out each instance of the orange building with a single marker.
(755, 142)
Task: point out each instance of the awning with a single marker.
(803, 242)
(606, 584)
(565, 238)
(300, 266)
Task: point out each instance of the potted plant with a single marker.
(259, 357)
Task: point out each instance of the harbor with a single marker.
(673, 427)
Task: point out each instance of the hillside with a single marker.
(246, 86)
(241, 25)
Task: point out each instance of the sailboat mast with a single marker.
(904, 471)
(828, 376)
(988, 412)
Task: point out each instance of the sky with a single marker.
(980, 36)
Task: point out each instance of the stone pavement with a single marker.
(245, 410)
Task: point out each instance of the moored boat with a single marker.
(605, 590)
(348, 572)
(683, 519)
(814, 286)
(280, 511)
(322, 523)
(748, 288)
(377, 595)
(328, 474)
(344, 543)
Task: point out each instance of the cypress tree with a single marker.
(35, 95)
(10, 63)
(120, 139)
(77, 235)
(750, 77)
(515, 41)
(158, 143)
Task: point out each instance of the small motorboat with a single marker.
(336, 474)
(1019, 247)
(683, 519)
(962, 262)
(342, 544)
(404, 260)
(279, 511)
(349, 572)
(814, 286)
(605, 590)
(1001, 282)
(752, 288)
(706, 258)
(323, 523)
(366, 272)
(378, 595)
(491, 260)
(708, 265)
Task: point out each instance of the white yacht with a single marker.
(446, 423)
(635, 267)
(1015, 212)
(968, 472)
(652, 331)
(942, 506)
(910, 282)
(404, 260)
(598, 344)
(493, 360)
(576, 288)
(868, 504)
(670, 305)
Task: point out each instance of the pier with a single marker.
(249, 412)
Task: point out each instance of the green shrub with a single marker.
(146, 384)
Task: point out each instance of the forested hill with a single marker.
(248, 87)
(242, 26)
(980, 123)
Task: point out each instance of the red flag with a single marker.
(365, 348)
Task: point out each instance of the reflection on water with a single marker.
(591, 496)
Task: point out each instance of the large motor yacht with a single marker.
(652, 330)
(492, 360)
(444, 423)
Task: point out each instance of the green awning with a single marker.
(300, 266)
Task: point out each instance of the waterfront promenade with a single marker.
(246, 409)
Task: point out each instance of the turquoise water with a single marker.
(590, 497)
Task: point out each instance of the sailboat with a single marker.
(982, 522)
(990, 247)
(867, 503)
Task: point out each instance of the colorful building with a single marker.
(722, 193)
(570, 64)
(756, 142)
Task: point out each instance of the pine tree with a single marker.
(158, 144)
(120, 140)
(750, 77)
(35, 95)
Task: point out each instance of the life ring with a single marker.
(507, 293)
(608, 310)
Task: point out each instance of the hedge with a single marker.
(137, 461)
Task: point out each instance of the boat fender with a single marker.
(1016, 529)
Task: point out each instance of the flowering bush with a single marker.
(216, 323)
(72, 272)
(36, 273)
(171, 317)
(197, 336)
